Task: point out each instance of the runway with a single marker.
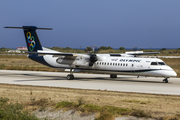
(92, 81)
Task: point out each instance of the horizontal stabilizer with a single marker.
(30, 28)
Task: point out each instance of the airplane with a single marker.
(127, 63)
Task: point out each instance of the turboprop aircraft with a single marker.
(114, 64)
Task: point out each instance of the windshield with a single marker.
(158, 63)
(161, 63)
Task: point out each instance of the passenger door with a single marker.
(133, 67)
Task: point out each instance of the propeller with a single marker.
(92, 56)
(92, 59)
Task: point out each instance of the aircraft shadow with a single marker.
(117, 79)
(57, 78)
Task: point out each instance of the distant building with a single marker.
(14, 51)
(18, 50)
(21, 48)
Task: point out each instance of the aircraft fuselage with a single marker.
(112, 65)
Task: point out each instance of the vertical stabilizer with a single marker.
(32, 40)
(31, 37)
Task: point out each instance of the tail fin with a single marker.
(31, 37)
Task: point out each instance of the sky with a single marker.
(75, 23)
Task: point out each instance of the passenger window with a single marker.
(126, 64)
(110, 63)
(104, 63)
(154, 63)
(107, 63)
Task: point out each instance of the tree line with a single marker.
(87, 49)
(102, 48)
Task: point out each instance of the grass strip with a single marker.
(13, 111)
(105, 111)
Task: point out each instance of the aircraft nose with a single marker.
(173, 74)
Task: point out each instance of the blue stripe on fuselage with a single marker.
(39, 59)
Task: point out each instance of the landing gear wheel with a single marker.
(165, 80)
(113, 76)
(70, 77)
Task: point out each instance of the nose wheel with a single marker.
(165, 80)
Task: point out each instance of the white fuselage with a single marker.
(113, 65)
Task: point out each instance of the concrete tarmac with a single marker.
(92, 81)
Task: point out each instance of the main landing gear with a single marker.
(165, 80)
(70, 76)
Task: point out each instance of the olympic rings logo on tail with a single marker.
(31, 41)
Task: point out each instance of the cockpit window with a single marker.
(154, 63)
(161, 63)
(158, 63)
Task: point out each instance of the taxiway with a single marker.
(92, 81)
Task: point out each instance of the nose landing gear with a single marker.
(165, 80)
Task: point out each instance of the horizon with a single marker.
(105, 46)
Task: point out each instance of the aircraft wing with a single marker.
(55, 54)
(136, 53)
(146, 53)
